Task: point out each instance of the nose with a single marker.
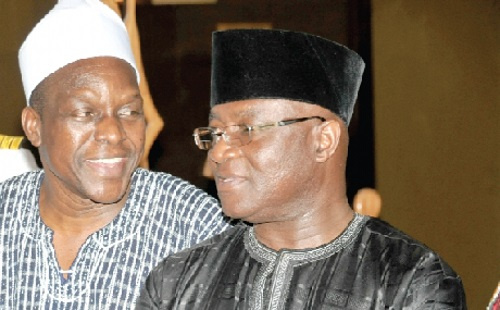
(109, 129)
(221, 151)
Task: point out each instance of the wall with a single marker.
(17, 18)
(436, 100)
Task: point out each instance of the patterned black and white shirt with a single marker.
(163, 215)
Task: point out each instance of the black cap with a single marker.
(267, 64)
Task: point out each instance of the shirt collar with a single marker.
(121, 228)
(264, 254)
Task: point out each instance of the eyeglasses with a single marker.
(237, 135)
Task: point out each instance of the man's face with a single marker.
(92, 129)
(266, 179)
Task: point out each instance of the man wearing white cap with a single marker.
(84, 232)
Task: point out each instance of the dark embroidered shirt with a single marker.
(371, 265)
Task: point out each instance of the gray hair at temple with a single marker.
(267, 64)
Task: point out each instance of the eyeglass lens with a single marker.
(237, 135)
(203, 137)
(234, 135)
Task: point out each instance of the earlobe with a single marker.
(31, 125)
(328, 140)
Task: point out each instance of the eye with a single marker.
(130, 112)
(83, 114)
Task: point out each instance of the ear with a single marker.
(32, 125)
(329, 138)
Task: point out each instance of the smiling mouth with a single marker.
(108, 167)
(115, 160)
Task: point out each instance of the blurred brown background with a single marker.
(425, 131)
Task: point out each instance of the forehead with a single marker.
(256, 109)
(84, 70)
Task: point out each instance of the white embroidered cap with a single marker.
(72, 30)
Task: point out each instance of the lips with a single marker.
(109, 167)
(107, 160)
(227, 183)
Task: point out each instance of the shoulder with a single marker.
(399, 249)
(19, 194)
(191, 269)
(166, 189)
(181, 209)
(409, 261)
(145, 180)
(383, 237)
(204, 251)
(385, 233)
(179, 270)
(23, 184)
(142, 177)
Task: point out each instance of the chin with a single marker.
(230, 210)
(237, 211)
(107, 200)
(109, 193)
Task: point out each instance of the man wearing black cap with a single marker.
(277, 144)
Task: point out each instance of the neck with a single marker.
(73, 216)
(310, 230)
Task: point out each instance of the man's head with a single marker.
(296, 93)
(72, 30)
(86, 116)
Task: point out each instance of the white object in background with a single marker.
(15, 161)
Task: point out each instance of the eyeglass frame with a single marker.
(216, 132)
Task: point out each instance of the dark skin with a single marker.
(289, 181)
(89, 130)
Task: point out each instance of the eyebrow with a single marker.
(132, 96)
(212, 116)
(241, 114)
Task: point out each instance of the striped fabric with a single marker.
(163, 215)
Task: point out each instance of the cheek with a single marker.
(64, 139)
(136, 133)
(281, 169)
(60, 135)
(268, 169)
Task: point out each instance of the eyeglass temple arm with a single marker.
(298, 120)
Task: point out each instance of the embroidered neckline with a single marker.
(121, 228)
(264, 254)
(279, 264)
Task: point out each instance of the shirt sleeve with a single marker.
(150, 298)
(161, 288)
(435, 286)
(202, 216)
(211, 221)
